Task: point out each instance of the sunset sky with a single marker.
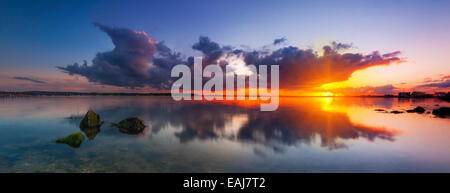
(322, 47)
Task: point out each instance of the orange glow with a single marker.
(327, 94)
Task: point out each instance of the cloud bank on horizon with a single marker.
(138, 61)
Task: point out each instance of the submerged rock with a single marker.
(90, 132)
(396, 112)
(91, 124)
(131, 125)
(91, 119)
(442, 112)
(73, 140)
(418, 109)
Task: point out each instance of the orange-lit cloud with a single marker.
(139, 62)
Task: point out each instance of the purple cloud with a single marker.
(29, 79)
(138, 61)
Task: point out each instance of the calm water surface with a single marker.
(316, 134)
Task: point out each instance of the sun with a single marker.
(327, 94)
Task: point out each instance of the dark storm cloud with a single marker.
(303, 68)
(210, 49)
(135, 61)
(29, 79)
(139, 61)
(279, 41)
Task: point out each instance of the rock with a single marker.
(396, 112)
(73, 140)
(91, 119)
(418, 109)
(442, 112)
(445, 98)
(131, 125)
(91, 132)
(379, 110)
(91, 124)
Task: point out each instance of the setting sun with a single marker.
(327, 94)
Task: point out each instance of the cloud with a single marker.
(279, 41)
(137, 61)
(29, 79)
(210, 49)
(373, 90)
(302, 68)
(342, 46)
(427, 79)
(445, 84)
(445, 77)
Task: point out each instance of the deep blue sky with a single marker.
(36, 36)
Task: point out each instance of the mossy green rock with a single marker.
(73, 140)
(131, 125)
(91, 119)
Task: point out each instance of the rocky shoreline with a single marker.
(442, 112)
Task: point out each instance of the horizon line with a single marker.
(168, 93)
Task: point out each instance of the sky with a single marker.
(387, 46)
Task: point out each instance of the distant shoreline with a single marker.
(51, 93)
